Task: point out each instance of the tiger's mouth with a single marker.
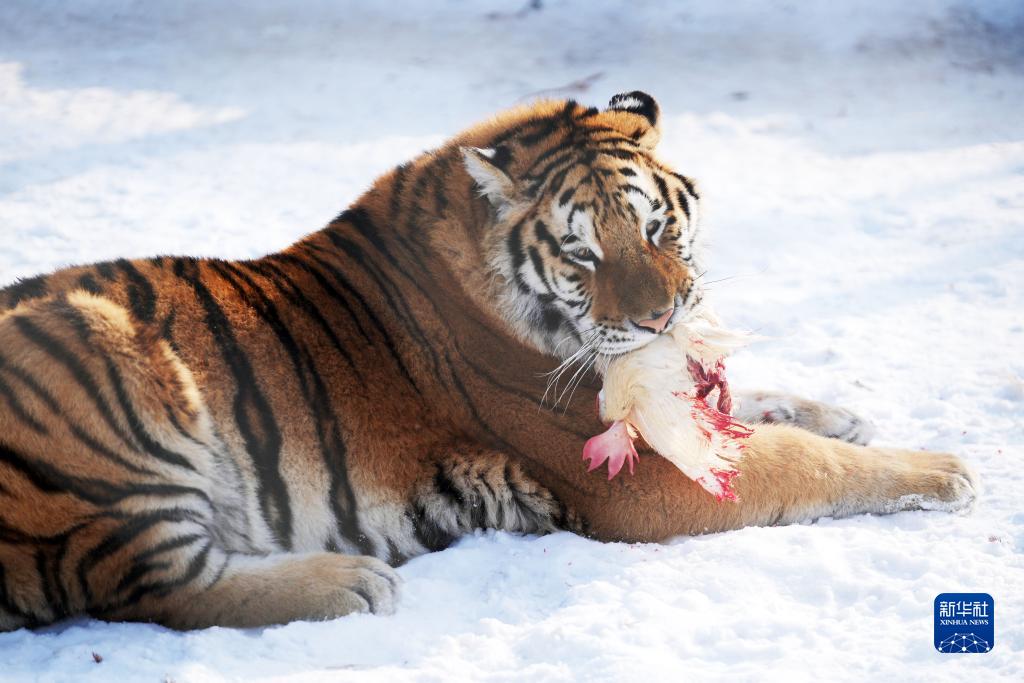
(644, 337)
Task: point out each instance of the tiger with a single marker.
(205, 442)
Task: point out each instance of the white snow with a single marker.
(863, 167)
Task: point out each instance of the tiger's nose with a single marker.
(657, 322)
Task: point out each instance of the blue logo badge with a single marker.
(964, 622)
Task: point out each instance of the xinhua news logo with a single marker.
(964, 623)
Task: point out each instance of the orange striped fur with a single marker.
(200, 442)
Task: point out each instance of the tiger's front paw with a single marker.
(375, 583)
(818, 418)
(346, 584)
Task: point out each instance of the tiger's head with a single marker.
(592, 241)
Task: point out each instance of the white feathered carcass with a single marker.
(661, 392)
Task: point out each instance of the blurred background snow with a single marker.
(863, 164)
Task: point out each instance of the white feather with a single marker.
(653, 390)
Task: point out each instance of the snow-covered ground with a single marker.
(863, 165)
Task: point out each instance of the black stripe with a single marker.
(219, 574)
(558, 179)
(121, 537)
(360, 220)
(32, 384)
(135, 526)
(688, 184)
(45, 579)
(25, 288)
(149, 445)
(562, 152)
(60, 353)
(547, 238)
(259, 302)
(16, 406)
(538, 267)
(141, 564)
(663, 190)
(92, 443)
(514, 244)
(141, 296)
(614, 141)
(552, 319)
(567, 157)
(167, 330)
(89, 284)
(38, 479)
(683, 204)
(424, 172)
(164, 588)
(253, 415)
(335, 455)
(619, 153)
(396, 192)
(7, 603)
(414, 233)
(629, 187)
(428, 533)
(544, 128)
(58, 562)
(80, 434)
(396, 558)
(441, 185)
(502, 157)
(294, 294)
(14, 536)
(332, 292)
(367, 309)
(105, 271)
(445, 486)
(50, 479)
(393, 295)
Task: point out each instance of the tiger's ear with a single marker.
(646, 128)
(492, 181)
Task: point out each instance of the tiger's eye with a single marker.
(583, 254)
(652, 228)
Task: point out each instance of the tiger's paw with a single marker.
(377, 584)
(353, 584)
(939, 481)
(833, 422)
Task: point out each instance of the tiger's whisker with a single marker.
(589, 366)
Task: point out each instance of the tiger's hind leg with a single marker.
(834, 422)
(117, 499)
(163, 567)
(185, 581)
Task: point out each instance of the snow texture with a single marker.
(863, 167)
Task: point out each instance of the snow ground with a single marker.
(863, 165)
